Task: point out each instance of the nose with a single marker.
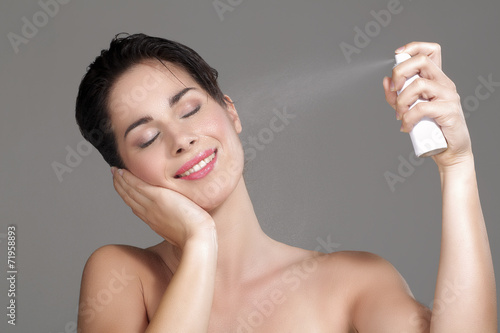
(184, 147)
(182, 142)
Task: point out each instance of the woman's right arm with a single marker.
(186, 303)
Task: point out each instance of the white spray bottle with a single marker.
(426, 135)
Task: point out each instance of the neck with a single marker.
(241, 242)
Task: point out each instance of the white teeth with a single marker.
(198, 166)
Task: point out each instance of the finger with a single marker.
(126, 198)
(424, 89)
(141, 216)
(431, 50)
(446, 114)
(421, 65)
(137, 189)
(119, 188)
(133, 199)
(390, 96)
(147, 191)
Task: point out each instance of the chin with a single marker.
(209, 200)
(216, 190)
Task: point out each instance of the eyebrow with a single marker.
(175, 99)
(143, 120)
(171, 102)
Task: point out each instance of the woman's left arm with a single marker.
(465, 295)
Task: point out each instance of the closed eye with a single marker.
(192, 112)
(146, 144)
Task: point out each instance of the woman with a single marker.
(155, 112)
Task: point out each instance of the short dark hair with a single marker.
(125, 51)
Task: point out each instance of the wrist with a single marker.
(204, 236)
(465, 165)
(458, 175)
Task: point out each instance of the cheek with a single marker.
(148, 168)
(233, 150)
(219, 126)
(224, 132)
(213, 126)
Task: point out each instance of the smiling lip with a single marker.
(197, 159)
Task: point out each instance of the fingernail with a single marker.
(400, 49)
(120, 172)
(113, 169)
(398, 117)
(401, 128)
(391, 86)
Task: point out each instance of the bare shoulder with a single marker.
(132, 264)
(112, 284)
(363, 262)
(379, 296)
(345, 264)
(115, 255)
(362, 272)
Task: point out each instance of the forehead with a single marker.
(146, 86)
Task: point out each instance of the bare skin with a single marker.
(217, 271)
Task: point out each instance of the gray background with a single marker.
(321, 177)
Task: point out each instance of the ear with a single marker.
(233, 114)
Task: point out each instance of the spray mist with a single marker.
(426, 135)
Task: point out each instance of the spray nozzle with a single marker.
(400, 57)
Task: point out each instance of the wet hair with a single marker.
(125, 51)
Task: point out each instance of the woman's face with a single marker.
(164, 125)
